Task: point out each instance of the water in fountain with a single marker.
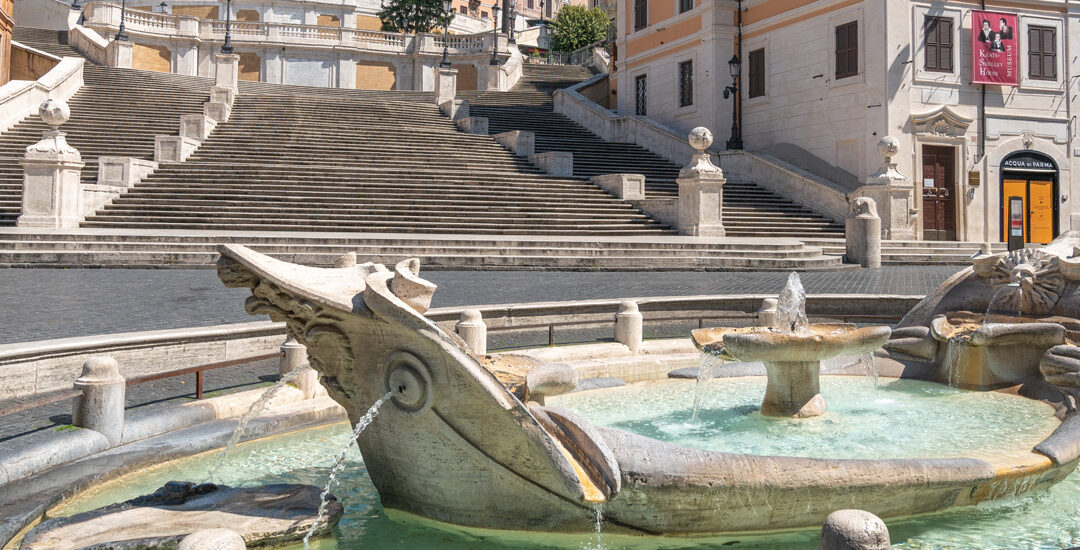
(869, 367)
(598, 510)
(1002, 305)
(339, 464)
(709, 362)
(791, 307)
(257, 407)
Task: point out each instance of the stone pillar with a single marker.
(766, 316)
(894, 194)
(101, 405)
(862, 232)
(854, 530)
(294, 356)
(52, 175)
(226, 70)
(119, 54)
(471, 328)
(701, 188)
(445, 85)
(628, 323)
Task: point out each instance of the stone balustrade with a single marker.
(106, 16)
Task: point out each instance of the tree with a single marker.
(577, 26)
(413, 16)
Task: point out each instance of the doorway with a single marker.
(939, 193)
(1028, 198)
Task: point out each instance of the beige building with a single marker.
(821, 81)
(7, 23)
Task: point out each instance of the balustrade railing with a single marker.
(152, 20)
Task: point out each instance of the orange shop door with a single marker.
(1036, 198)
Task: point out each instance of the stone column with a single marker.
(628, 323)
(294, 356)
(445, 85)
(101, 405)
(766, 316)
(52, 175)
(894, 194)
(862, 231)
(701, 187)
(471, 328)
(226, 70)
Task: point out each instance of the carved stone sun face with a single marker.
(1038, 274)
(54, 112)
(700, 138)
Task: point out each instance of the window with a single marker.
(1042, 53)
(686, 83)
(939, 45)
(548, 8)
(532, 4)
(483, 14)
(685, 5)
(641, 14)
(847, 50)
(756, 73)
(463, 10)
(640, 95)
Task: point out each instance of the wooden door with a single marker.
(939, 193)
(1040, 211)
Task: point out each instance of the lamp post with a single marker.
(75, 5)
(734, 64)
(162, 8)
(120, 34)
(447, 5)
(227, 48)
(512, 16)
(494, 34)
(541, 14)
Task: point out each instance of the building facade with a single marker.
(821, 81)
(7, 23)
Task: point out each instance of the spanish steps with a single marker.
(308, 174)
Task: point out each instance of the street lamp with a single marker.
(75, 5)
(734, 64)
(494, 34)
(227, 48)
(120, 34)
(513, 21)
(162, 8)
(447, 5)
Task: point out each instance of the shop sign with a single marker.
(995, 50)
(1028, 161)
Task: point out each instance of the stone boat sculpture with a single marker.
(464, 441)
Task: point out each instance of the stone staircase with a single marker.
(116, 113)
(749, 210)
(915, 252)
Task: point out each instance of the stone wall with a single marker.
(7, 23)
(375, 75)
(250, 67)
(151, 58)
(30, 64)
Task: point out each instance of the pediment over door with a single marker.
(941, 122)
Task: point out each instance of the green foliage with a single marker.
(577, 26)
(413, 16)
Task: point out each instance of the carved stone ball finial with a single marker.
(54, 112)
(888, 146)
(700, 138)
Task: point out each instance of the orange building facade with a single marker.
(7, 24)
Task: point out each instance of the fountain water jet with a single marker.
(792, 355)
(339, 464)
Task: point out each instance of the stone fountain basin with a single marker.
(974, 332)
(825, 340)
(979, 355)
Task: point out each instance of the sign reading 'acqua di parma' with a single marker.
(995, 42)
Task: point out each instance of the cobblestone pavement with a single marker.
(44, 304)
(40, 304)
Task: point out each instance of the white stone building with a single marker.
(823, 80)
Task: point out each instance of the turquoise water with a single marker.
(894, 419)
(1045, 520)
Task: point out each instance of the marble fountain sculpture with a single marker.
(466, 438)
(792, 352)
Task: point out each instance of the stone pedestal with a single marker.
(520, 142)
(767, 315)
(119, 54)
(52, 175)
(197, 127)
(174, 148)
(701, 190)
(473, 125)
(445, 85)
(628, 326)
(226, 70)
(793, 389)
(455, 109)
(555, 163)
(893, 193)
(629, 187)
(101, 405)
(473, 330)
(862, 232)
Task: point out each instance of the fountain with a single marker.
(467, 439)
(792, 353)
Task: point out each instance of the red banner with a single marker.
(995, 49)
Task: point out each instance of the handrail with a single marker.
(49, 399)
(200, 369)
